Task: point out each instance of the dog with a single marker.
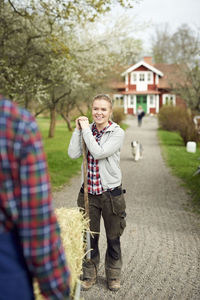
(137, 150)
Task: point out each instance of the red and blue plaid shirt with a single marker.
(26, 202)
(94, 181)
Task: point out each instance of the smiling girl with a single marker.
(103, 139)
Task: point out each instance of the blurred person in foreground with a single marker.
(30, 244)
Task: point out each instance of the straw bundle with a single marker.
(72, 224)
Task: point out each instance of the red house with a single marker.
(148, 85)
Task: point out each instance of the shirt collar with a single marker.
(94, 127)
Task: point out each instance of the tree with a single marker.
(44, 56)
(181, 48)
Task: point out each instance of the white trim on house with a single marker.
(145, 65)
(157, 79)
(125, 104)
(126, 79)
(157, 104)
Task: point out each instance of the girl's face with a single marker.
(101, 112)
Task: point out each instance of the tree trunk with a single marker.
(80, 110)
(52, 122)
(67, 120)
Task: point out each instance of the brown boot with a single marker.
(114, 284)
(89, 275)
(87, 283)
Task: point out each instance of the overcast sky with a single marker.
(173, 12)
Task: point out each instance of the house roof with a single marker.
(117, 85)
(143, 63)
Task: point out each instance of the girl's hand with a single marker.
(82, 122)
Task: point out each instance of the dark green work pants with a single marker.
(111, 206)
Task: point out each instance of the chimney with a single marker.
(148, 60)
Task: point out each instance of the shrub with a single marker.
(179, 119)
(169, 117)
(118, 115)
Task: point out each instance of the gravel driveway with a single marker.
(161, 243)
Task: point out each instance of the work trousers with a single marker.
(111, 206)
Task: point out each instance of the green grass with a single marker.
(61, 166)
(182, 163)
(124, 126)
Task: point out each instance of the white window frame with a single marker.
(142, 77)
(133, 77)
(118, 98)
(150, 77)
(132, 101)
(172, 98)
(152, 100)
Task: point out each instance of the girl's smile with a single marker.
(101, 112)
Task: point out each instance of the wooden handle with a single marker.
(85, 173)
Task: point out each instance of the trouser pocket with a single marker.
(118, 202)
(118, 205)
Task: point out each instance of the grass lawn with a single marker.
(61, 166)
(182, 163)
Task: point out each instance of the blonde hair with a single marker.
(103, 97)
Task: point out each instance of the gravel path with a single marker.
(160, 245)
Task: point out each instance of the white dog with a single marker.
(137, 150)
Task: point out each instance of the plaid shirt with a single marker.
(26, 203)
(94, 181)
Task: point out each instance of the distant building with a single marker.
(148, 85)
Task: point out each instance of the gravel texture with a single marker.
(161, 243)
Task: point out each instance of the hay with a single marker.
(72, 224)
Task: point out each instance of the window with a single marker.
(150, 77)
(119, 100)
(141, 77)
(151, 100)
(133, 77)
(169, 99)
(132, 101)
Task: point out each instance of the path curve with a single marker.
(160, 246)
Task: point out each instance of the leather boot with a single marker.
(89, 275)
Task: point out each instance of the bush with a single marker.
(169, 117)
(179, 119)
(118, 115)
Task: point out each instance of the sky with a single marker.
(172, 12)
